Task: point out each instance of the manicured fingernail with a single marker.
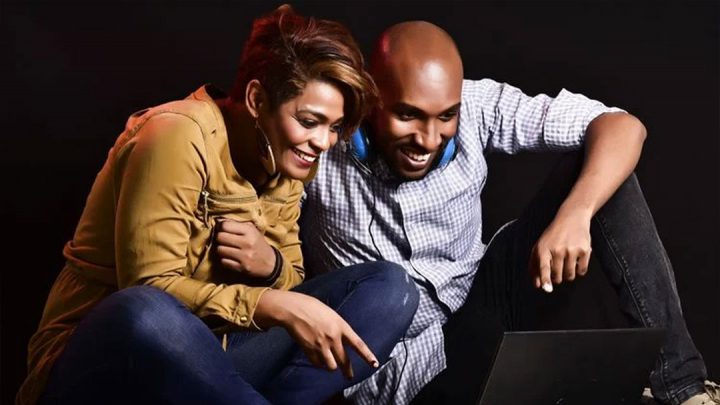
(547, 287)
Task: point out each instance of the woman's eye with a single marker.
(308, 123)
(337, 129)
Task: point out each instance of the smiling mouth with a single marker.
(304, 156)
(414, 156)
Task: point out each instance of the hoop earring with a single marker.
(267, 158)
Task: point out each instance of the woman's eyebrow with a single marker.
(320, 116)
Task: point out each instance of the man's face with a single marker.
(419, 115)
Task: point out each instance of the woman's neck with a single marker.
(243, 143)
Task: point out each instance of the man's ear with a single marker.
(254, 97)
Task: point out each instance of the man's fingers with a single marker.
(570, 266)
(545, 260)
(557, 263)
(342, 359)
(352, 339)
(583, 263)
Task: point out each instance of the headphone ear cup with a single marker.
(448, 153)
(360, 146)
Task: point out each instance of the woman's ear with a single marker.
(254, 97)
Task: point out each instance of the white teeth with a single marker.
(417, 157)
(305, 156)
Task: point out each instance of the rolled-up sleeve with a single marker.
(159, 175)
(510, 121)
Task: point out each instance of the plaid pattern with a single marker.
(355, 212)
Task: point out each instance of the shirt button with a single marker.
(243, 318)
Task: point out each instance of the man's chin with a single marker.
(410, 175)
(408, 169)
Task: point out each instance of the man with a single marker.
(394, 194)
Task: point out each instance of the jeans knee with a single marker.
(143, 314)
(398, 292)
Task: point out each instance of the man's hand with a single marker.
(563, 250)
(319, 330)
(613, 142)
(243, 248)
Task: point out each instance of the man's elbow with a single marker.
(626, 125)
(638, 127)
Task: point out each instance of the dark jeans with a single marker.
(141, 345)
(628, 249)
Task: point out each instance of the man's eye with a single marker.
(448, 116)
(405, 116)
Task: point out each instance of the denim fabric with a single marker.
(378, 304)
(141, 345)
(630, 253)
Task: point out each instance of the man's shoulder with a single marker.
(472, 89)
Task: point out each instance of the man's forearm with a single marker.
(613, 144)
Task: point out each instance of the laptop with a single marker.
(608, 366)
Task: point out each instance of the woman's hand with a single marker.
(319, 330)
(243, 248)
(563, 251)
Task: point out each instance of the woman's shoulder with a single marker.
(286, 190)
(191, 120)
(191, 112)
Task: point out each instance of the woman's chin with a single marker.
(296, 173)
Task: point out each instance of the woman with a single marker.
(173, 176)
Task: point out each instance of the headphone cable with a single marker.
(372, 238)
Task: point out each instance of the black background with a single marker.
(77, 70)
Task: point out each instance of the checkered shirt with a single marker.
(354, 213)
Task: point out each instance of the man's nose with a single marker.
(429, 136)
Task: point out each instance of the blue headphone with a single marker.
(360, 148)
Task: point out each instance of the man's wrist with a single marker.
(577, 211)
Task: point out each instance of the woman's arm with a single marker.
(319, 330)
(243, 248)
(158, 177)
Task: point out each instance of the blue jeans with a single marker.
(141, 345)
(627, 247)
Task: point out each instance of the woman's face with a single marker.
(303, 127)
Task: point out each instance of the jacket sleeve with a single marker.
(292, 272)
(158, 178)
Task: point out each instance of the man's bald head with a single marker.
(413, 47)
(418, 70)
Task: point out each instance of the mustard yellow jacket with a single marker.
(149, 220)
